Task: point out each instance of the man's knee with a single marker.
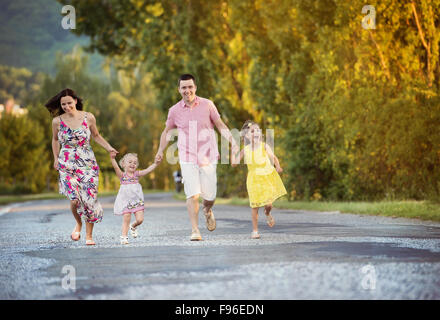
(194, 197)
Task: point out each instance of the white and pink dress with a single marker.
(130, 198)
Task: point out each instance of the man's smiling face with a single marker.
(187, 90)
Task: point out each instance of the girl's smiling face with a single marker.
(254, 133)
(130, 164)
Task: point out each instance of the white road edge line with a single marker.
(9, 208)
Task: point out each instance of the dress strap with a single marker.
(61, 120)
(84, 122)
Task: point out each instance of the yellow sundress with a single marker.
(263, 183)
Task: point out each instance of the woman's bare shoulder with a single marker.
(90, 115)
(56, 120)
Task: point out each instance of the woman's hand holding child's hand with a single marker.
(113, 153)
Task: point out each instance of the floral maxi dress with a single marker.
(79, 171)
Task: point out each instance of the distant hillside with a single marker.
(31, 34)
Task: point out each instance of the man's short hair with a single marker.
(186, 76)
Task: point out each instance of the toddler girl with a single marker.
(263, 182)
(130, 198)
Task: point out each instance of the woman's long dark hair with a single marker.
(54, 104)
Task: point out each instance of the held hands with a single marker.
(159, 157)
(235, 149)
(113, 153)
(235, 158)
(157, 161)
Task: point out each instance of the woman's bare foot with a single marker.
(89, 234)
(76, 233)
(90, 242)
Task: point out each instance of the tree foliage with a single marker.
(355, 110)
(23, 161)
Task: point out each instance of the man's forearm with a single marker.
(163, 142)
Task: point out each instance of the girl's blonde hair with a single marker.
(124, 158)
(245, 128)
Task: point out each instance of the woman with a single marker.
(74, 159)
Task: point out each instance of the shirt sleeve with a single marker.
(170, 119)
(213, 112)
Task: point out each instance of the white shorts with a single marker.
(199, 180)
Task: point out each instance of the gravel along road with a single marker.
(306, 255)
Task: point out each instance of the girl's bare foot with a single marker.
(255, 235)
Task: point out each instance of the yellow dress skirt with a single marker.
(263, 183)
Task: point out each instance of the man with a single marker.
(195, 118)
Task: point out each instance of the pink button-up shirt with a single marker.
(196, 139)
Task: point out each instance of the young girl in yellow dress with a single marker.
(263, 182)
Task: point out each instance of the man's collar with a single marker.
(196, 102)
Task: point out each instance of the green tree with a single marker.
(19, 84)
(22, 155)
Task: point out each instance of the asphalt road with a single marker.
(306, 255)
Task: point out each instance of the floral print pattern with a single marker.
(79, 171)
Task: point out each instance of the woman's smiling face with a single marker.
(68, 104)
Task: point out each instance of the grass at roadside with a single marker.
(7, 199)
(424, 210)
